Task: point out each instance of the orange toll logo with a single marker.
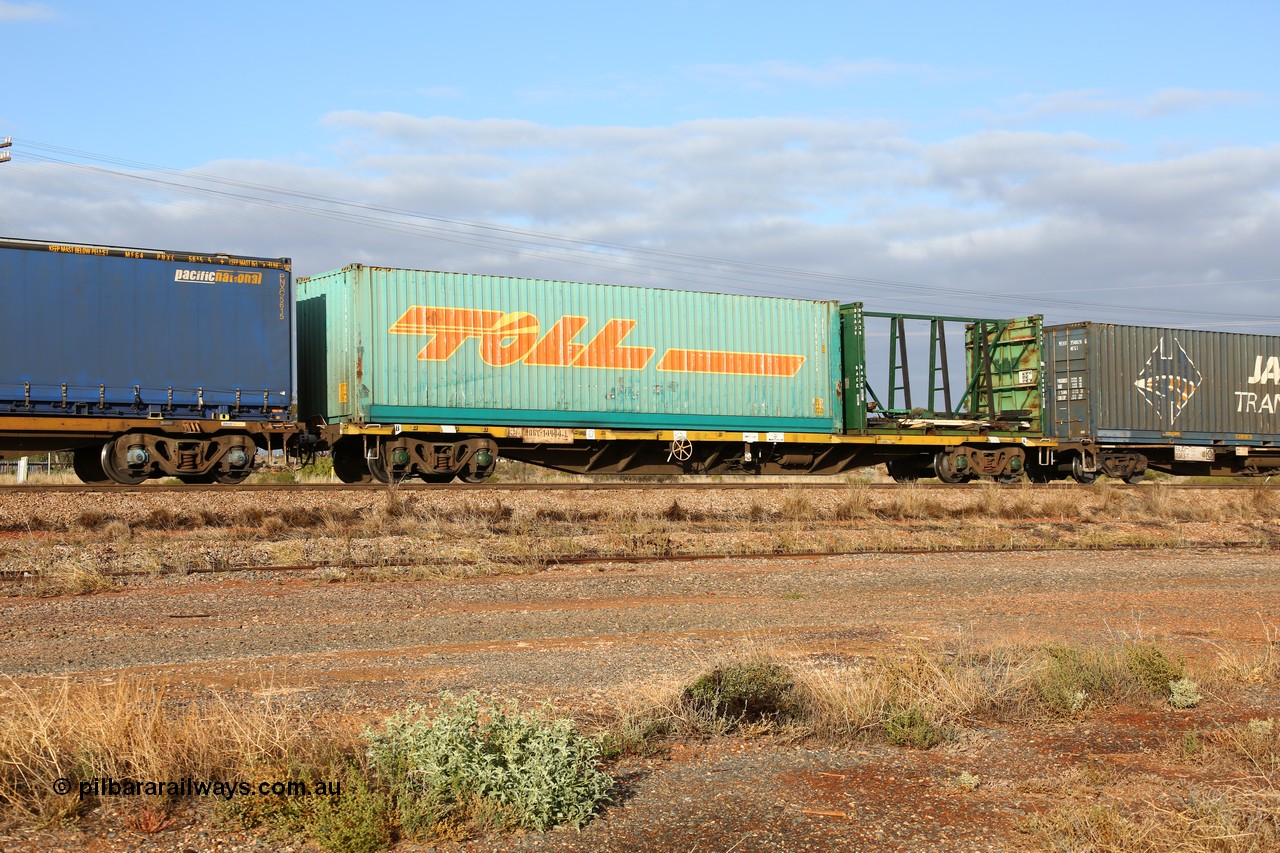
(507, 338)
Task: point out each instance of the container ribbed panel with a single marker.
(432, 346)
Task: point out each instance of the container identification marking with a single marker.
(1266, 371)
(542, 435)
(507, 338)
(1168, 380)
(217, 276)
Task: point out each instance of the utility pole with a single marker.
(4, 158)
(7, 142)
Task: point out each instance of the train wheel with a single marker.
(1006, 479)
(1136, 478)
(1079, 474)
(1037, 473)
(349, 465)
(87, 463)
(380, 472)
(123, 475)
(481, 467)
(944, 465)
(902, 471)
(232, 478)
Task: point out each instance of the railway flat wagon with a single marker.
(428, 373)
(1187, 402)
(145, 363)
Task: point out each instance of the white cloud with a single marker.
(10, 12)
(1171, 101)
(1035, 216)
(1028, 108)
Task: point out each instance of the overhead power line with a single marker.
(699, 270)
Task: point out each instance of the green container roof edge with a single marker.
(341, 271)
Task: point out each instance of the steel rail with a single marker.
(70, 488)
(594, 559)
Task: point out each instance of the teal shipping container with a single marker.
(385, 346)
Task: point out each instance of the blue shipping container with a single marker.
(113, 332)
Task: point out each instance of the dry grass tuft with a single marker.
(918, 698)
(1261, 502)
(796, 506)
(92, 519)
(1249, 666)
(915, 699)
(912, 502)
(70, 577)
(1061, 503)
(1254, 743)
(855, 504)
(1231, 821)
(133, 729)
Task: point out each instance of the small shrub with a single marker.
(911, 726)
(319, 468)
(1192, 746)
(634, 734)
(1071, 678)
(487, 763)
(744, 690)
(359, 821)
(1184, 693)
(1151, 667)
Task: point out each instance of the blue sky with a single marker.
(989, 158)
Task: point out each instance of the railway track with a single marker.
(562, 486)
(637, 559)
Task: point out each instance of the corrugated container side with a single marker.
(1143, 384)
(142, 330)
(431, 347)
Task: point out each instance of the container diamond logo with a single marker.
(1169, 380)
